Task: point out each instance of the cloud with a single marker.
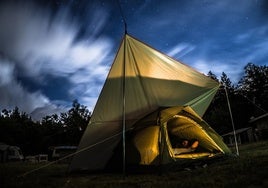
(40, 43)
(181, 50)
(233, 70)
(6, 71)
(39, 46)
(45, 110)
(29, 36)
(253, 45)
(13, 94)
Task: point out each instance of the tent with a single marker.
(10, 153)
(147, 97)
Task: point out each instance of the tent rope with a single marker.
(232, 120)
(263, 110)
(70, 155)
(255, 104)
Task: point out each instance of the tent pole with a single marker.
(123, 17)
(230, 111)
(124, 110)
(124, 88)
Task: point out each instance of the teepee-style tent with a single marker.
(147, 97)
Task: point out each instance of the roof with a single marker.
(238, 131)
(3, 146)
(62, 147)
(258, 118)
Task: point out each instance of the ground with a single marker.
(248, 170)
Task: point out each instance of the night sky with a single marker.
(52, 52)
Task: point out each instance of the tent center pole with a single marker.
(124, 96)
(124, 111)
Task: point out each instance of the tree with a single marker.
(17, 128)
(52, 130)
(254, 86)
(67, 129)
(213, 76)
(75, 122)
(227, 82)
(218, 114)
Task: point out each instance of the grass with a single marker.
(248, 170)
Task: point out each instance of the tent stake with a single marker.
(230, 111)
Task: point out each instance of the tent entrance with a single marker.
(181, 129)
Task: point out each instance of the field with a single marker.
(250, 169)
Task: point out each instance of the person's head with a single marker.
(185, 143)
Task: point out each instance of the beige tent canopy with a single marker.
(146, 91)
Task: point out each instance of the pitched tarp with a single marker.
(152, 80)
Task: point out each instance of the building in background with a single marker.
(244, 135)
(260, 126)
(10, 153)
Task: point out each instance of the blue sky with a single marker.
(52, 52)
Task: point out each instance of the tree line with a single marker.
(248, 98)
(17, 128)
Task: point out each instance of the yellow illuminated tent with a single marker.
(147, 97)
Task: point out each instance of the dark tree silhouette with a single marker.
(254, 86)
(218, 115)
(17, 128)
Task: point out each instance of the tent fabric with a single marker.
(146, 143)
(147, 80)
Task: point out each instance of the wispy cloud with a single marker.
(180, 50)
(14, 94)
(217, 67)
(40, 45)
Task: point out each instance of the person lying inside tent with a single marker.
(186, 147)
